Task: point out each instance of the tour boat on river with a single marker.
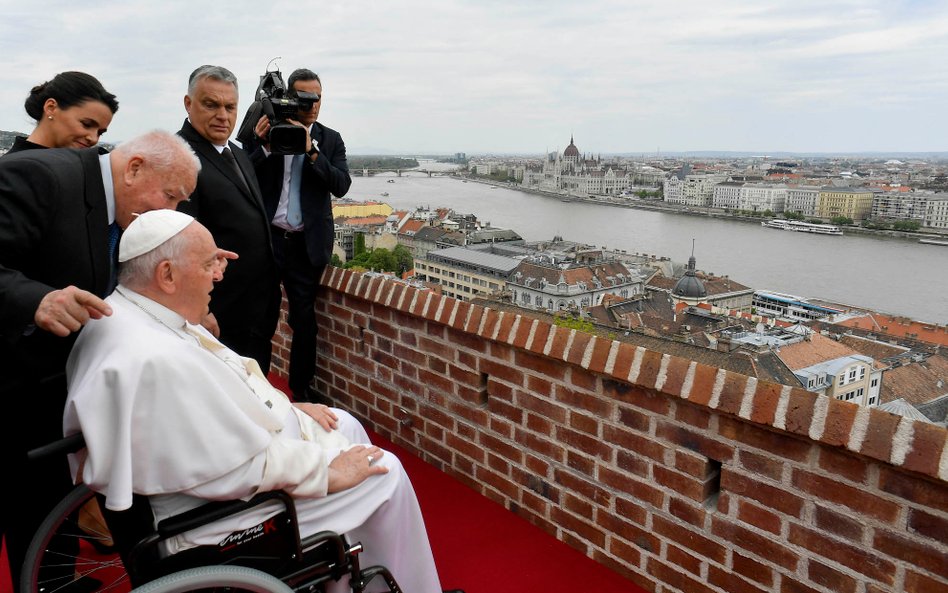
(802, 227)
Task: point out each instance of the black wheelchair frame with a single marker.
(65, 556)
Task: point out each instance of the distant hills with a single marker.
(6, 141)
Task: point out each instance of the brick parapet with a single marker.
(682, 476)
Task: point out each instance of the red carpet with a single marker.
(481, 547)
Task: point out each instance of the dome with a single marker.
(571, 150)
(690, 286)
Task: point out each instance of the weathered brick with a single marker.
(843, 494)
(503, 372)
(539, 424)
(633, 510)
(840, 417)
(690, 538)
(928, 525)
(675, 375)
(927, 446)
(787, 447)
(759, 517)
(683, 559)
(766, 466)
(913, 551)
(800, 411)
(694, 441)
(541, 406)
(919, 583)
(583, 423)
(583, 486)
(878, 442)
(669, 576)
(839, 524)
(583, 442)
(766, 398)
(917, 490)
(578, 348)
(832, 579)
(506, 450)
(692, 415)
(752, 569)
(730, 582)
(618, 525)
(584, 380)
(687, 510)
(696, 466)
(541, 387)
(633, 486)
(732, 394)
(702, 385)
(589, 402)
(680, 483)
(623, 363)
(854, 557)
(845, 464)
(633, 441)
(765, 547)
(599, 355)
(775, 497)
(648, 370)
(589, 532)
(647, 399)
(630, 417)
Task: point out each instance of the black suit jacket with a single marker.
(328, 174)
(53, 233)
(243, 301)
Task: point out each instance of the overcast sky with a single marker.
(509, 76)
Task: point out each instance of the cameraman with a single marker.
(296, 193)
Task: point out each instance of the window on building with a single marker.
(874, 382)
(862, 373)
(852, 374)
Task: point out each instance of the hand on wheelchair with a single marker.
(320, 413)
(353, 466)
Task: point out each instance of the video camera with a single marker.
(278, 103)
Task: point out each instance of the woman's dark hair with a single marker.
(69, 89)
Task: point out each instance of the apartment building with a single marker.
(802, 199)
(466, 273)
(936, 213)
(851, 202)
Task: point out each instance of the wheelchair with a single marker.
(71, 554)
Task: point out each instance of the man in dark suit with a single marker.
(246, 304)
(303, 229)
(59, 208)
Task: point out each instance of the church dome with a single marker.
(571, 150)
(690, 286)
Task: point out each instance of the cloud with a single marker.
(496, 76)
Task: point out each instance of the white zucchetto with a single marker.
(149, 230)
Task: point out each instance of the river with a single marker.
(890, 275)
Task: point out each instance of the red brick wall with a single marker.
(683, 477)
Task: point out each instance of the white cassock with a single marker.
(167, 417)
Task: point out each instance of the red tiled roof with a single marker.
(900, 326)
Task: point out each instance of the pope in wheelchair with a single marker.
(170, 413)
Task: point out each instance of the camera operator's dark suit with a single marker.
(302, 256)
(246, 302)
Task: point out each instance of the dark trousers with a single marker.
(300, 282)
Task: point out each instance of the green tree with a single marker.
(841, 220)
(906, 225)
(403, 259)
(335, 261)
(358, 245)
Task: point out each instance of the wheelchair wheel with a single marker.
(216, 578)
(66, 557)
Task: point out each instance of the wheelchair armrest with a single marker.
(217, 510)
(69, 444)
